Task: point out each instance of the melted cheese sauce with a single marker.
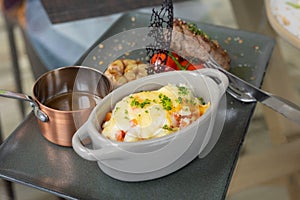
(152, 114)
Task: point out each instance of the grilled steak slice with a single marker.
(190, 42)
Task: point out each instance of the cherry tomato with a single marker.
(174, 61)
(158, 59)
(188, 66)
(195, 67)
(185, 64)
(199, 66)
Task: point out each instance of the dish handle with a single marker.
(79, 148)
(222, 84)
(219, 77)
(106, 152)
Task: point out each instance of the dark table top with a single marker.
(69, 10)
(27, 158)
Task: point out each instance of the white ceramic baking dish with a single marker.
(149, 159)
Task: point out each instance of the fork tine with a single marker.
(233, 89)
(212, 63)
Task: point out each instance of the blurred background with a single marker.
(269, 164)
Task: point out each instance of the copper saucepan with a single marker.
(63, 99)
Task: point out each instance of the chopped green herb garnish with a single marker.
(126, 112)
(145, 102)
(136, 103)
(117, 108)
(192, 101)
(193, 27)
(165, 101)
(166, 127)
(182, 90)
(179, 100)
(146, 111)
(201, 100)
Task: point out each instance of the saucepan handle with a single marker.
(15, 95)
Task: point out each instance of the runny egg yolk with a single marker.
(152, 114)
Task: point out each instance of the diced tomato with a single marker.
(133, 122)
(177, 118)
(107, 116)
(120, 136)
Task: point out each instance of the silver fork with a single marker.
(245, 92)
(235, 88)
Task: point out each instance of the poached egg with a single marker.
(152, 114)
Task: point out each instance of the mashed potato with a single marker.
(152, 114)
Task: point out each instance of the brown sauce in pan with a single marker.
(73, 101)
